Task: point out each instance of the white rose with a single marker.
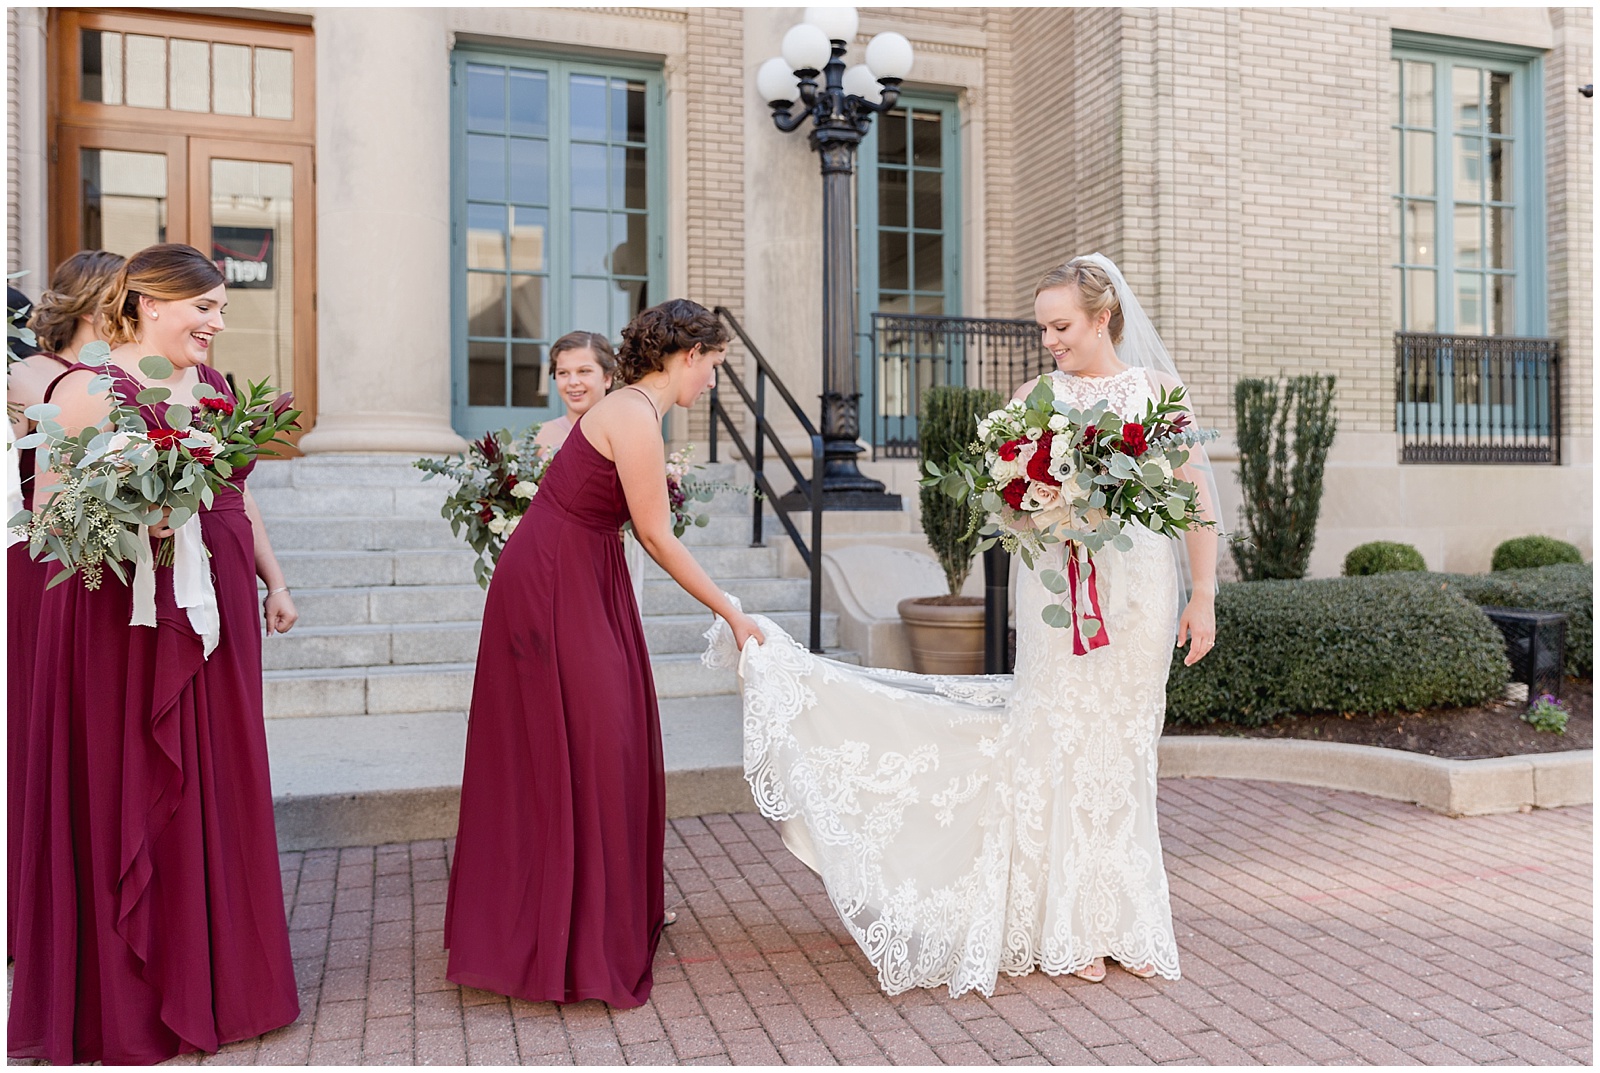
(524, 490)
(200, 438)
(1058, 423)
(984, 428)
(497, 525)
(1164, 465)
(512, 523)
(1005, 472)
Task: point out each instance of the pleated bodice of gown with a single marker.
(971, 825)
(556, 886)
(150, 917)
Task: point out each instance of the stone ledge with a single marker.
(1454, 787)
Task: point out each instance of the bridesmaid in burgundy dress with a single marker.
(150, 909)
(63, 320)
(556, 887)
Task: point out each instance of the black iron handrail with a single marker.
(755, 458)
(1477, 399)
(912, 352)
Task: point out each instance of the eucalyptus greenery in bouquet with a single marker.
(111, 482)
(496, 478)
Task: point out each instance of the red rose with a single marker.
(1039, 464)
(1009, 449)
(486, 514)
(218, 403)
(164, 438)
(1091, 434)
(1133, 441)
(201, 455)
(511, 481)
(1013, 493)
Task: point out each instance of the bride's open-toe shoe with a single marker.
(1094, 972)
(1143, 972)
(669, 917)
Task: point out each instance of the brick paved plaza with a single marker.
(1314, 926)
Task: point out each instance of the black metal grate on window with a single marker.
(1477, 399)
(911, 353)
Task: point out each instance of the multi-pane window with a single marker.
(908, 213)
(557, 212)
(907, 210)
(1464, 195)
(150, 71)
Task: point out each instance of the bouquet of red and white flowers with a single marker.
(111, 484)
(685, 486)
(1044, 472)
(496, 478)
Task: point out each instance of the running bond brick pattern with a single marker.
(1569, 179)
(1315, 926)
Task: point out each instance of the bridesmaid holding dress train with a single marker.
(556, 887)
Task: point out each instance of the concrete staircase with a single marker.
(366, 698)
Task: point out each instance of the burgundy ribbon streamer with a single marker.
(1100, 639)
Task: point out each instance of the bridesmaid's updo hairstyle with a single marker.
(169, 272)
(674, 325)
(1096, 292)
(591, 341)
(77, 289)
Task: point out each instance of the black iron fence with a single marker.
(1477, 399)
(912, 352)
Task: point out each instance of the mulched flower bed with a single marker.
(1494, 729)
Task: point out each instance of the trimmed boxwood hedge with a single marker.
(1382, 557)
(1565, 587)
(1527, 552)
(1389, 642)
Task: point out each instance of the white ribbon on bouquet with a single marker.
(192, 587)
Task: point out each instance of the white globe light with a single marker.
(839, 23)
(889, 55)
(806, 48)
(776, 82)
(861, 82)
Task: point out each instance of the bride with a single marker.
(968, 826)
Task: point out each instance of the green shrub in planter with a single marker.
(947, 425)
(1524, 553)
(1382, 557)
(1391, 642)
(1567, 587)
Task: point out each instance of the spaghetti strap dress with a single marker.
(25, 578)
(150, 917)
(556, 887)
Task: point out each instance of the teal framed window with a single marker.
(556, 224)
(908, 212)
(1466, 184)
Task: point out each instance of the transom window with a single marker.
(1466, 193)
(556, 222)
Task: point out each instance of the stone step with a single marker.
(377, 604)
(328, 568)
(727, 562)
(366, 644)
(663, 596)
(376, 779)
(362, 533)
(391, 689)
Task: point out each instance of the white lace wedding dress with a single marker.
(967, 826)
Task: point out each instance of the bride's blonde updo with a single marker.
(1096, 292)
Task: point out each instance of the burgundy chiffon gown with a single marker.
(150, 908)
(556, 887)
(25, 580)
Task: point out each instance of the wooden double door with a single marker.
(136, 162)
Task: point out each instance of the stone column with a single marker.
(383, 232)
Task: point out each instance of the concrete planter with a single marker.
(946, 637)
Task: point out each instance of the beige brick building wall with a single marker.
(1569, 182)
(13, 169)
(714, 224)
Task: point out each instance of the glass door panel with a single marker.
(250, 212)
(119, 192)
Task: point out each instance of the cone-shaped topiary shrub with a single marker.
(948, 424)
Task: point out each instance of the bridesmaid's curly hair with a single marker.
(674, 325)
(77, 289)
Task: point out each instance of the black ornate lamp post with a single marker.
(841, 111)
